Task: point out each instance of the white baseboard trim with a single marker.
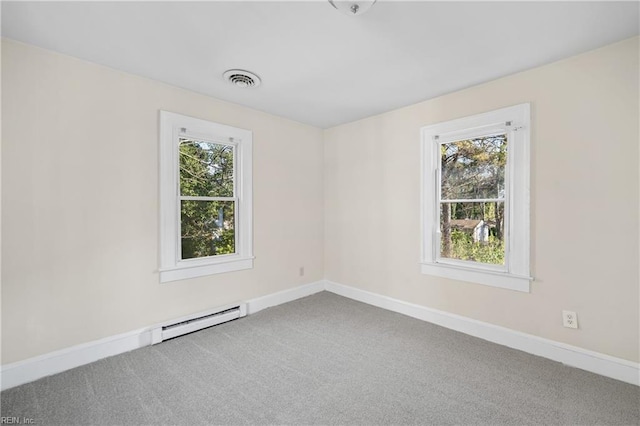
(31, 369)
(260, 303)
(573, 356)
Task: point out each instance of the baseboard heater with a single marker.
(196, 322)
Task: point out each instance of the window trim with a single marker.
(172, 266)
(517, 124)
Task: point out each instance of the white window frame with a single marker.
(173, 127)
(515, 122)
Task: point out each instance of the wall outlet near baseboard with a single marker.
(569, 319)
(302, 271)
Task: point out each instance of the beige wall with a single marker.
(80, 203)
(584, 202)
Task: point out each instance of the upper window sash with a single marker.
(440, 173)
(472, 133)
(230, 143)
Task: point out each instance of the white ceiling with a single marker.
(317, 65)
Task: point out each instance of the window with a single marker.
(475, 198)
(205, 198)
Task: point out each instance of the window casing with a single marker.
(497, 229)
(205, 198)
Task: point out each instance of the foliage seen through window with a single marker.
(472, 199)
(207, 199)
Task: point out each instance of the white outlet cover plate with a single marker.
(569, 319)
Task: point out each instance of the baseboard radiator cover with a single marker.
(197, 322)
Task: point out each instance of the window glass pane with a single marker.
(473, 168)
(206, 169)
(473, 231)
(208, 228)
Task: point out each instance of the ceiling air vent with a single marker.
(242, 78)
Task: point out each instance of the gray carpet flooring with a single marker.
(325, 359)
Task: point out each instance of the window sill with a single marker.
(490, 278)
(183, 272)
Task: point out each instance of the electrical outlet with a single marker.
(302, 271)
(569, 319)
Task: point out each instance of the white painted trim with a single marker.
(31, 369)
(491, 278)
(172, 127)
(264, 302)
(515, 121)
(595, 362)
(186, 272)
(35, 368)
